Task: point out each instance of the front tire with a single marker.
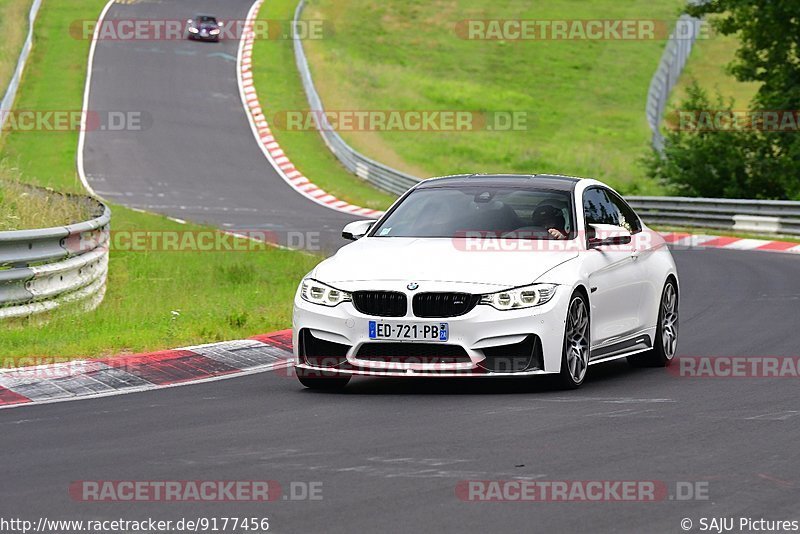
(666, 341)
(321, 380)
(575, 354)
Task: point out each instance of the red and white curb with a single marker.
(83, 379)
(263, 134)
(684, 240)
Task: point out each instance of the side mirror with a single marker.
(189, 21)
(357, 229)
(219, 24)
(601, 235)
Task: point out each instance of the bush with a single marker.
(727, 163)
(757, 164)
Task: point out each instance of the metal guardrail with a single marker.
(771, 217)
(13, 84)
(42, 269)
(378, 174)
(679, 46)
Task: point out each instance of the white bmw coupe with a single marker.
(489, 275)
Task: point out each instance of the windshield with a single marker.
(458, 211)
(205, 19)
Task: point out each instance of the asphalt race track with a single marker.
(196, 158)
(390, 452)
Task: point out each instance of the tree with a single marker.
(757, 164)
(769, 32)
(707, 162)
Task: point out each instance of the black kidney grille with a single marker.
(444, 304)
(381, 303)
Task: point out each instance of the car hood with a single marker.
(435, 259)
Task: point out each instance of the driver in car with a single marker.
(550, 218)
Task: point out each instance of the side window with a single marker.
(597, 209)
(627, 217)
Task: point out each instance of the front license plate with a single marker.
(409, 331)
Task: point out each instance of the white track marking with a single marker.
(84, 109)
(275, 155)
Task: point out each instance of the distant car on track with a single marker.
(490, 275)
(204, 27)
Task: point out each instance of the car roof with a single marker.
(545, 181)
(207, 15)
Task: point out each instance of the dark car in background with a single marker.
(204, 27)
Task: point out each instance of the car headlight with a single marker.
(520, 297)
(193, 30)
(214, 32)
(318, 293)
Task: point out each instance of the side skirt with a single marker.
(621, 349)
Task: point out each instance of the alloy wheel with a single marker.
(669, 321)
(577, 339)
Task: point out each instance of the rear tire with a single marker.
(321, 380)
(666, 342)
(575, 352)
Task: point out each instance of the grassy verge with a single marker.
(159, 300)
(14, 14)
(726, 233)
(21, 207)
(53, 80)
(585, 99)
(155, 299)
(280, 90)
(707, 65)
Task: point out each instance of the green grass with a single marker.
(22, 207)
(14, 14)
(585, 99)
(216, 295)
(280, 90)
(708, 65)
(53, 80)
(158, 300)
(725, 233)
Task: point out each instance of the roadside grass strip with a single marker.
(156, 299)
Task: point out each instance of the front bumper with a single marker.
(202, 37)
(484, 334)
